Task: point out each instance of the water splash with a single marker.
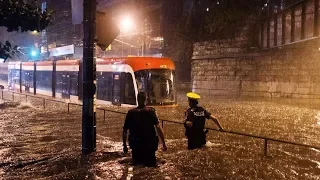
(211, 144)
(316, 162)
(24, 105)
(318, 118)
(109, 170)
(316, 150)
(110, 145)
(130, 173)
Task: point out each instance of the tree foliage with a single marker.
(225, 19)
(205, 20)
(6, 50)
(16, 15)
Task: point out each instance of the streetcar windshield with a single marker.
(158, 84)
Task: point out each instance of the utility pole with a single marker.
(89, 77)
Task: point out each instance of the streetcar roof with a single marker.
(140, 63)
(15, 62)
(67, 62)
(45, 63)
(27, 63)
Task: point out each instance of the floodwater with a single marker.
(46, 144)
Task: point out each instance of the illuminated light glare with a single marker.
(158, 39)
(114, 66)
(126, 24)
(218, 2)
(34, 32)
(33, 53)
(207, 9)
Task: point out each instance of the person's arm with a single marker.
(215, 120)
(125, 132)
(161, 135)
(189, 118)
(159, 130)
(124, 140)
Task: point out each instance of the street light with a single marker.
(33, 53)
(126, 24)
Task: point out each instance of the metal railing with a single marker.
(266, 139)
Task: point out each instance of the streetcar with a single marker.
(118, 80)
(3, 75)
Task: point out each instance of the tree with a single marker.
(16, 15)
(203, 20)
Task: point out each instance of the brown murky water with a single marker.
(38, 144)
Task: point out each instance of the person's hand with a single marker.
(164, 147)
(125, 149)
(189, 123)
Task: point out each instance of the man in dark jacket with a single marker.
(195, 122)
(143, 125)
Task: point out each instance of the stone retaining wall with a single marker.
(292, 72)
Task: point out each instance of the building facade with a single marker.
(143, 38)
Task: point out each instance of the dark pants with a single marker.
(196, 139)
(144, 151)
(144, 157)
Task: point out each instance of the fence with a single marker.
(266, 139)
(297, 23)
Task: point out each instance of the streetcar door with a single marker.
(66, 86)
(27, 81)
(116, 90)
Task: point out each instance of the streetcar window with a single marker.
(129, 92)
(67, 82)
(74, 83)
(10, 79)
(116, 99)
(14, 78)
(3, 73)
(158, 84)
(27, 78)
(59, 81)
(104, 85)
(44, 80)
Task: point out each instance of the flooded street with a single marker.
(46, 144)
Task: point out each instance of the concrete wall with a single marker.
(292, 71)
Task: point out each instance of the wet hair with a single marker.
(142, 96)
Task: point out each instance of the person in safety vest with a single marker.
(195, 122)
(143, 125)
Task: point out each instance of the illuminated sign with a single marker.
(60, 51)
